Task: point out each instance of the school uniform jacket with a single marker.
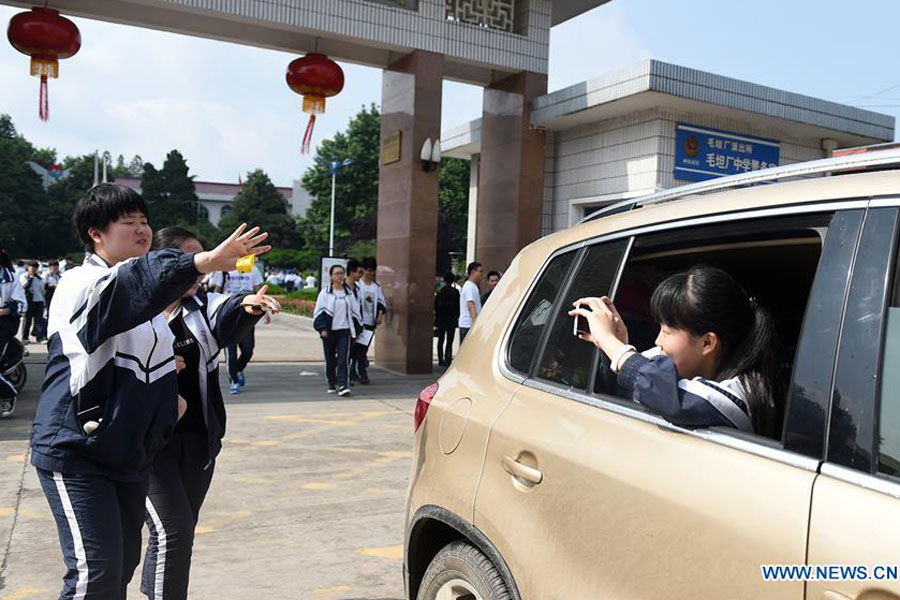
(323, 315)
(111, 347)
(652, 380)
(215, 321)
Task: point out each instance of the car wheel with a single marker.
(461, 572)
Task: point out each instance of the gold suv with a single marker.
(531, 479)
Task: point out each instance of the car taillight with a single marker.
(422, 404)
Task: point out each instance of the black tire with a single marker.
(462, 561)
(18, 376)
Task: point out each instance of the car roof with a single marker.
(837, 188)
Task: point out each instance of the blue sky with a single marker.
(227, 108)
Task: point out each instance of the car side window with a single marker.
(529, 328)
(889, 417)
(566, 359)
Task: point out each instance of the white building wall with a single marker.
(601, 163)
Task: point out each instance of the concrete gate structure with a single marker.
(501, 45)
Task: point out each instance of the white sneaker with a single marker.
(343, 391)
(331, 390)
(7, 407)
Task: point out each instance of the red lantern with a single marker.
(46, 37)
(315, 77)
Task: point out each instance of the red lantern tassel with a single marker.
(307, 137)
(44, 101)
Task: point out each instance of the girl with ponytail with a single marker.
(716, 356)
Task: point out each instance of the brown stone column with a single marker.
(511, 184)
(408, 213)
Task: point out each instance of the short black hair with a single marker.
(103, 204)
(34, 264)
(172, 237)
(369, 263)
(53, 263)
(493, 274)
(352, 265)
(449, 277)
(336, 266)
(472, 266)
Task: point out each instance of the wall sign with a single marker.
(702, 153)
(390, 148)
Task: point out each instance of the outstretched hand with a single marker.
(260, 302)
(224, 257)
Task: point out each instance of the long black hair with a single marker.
(172, 237)
(706, 299)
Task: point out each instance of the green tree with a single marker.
(22, 197)
(453, 210)
(356, 190)
(60, 238)
(259, 203)
(170, 192)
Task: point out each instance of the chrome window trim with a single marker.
(884, 202)
(860, 479)
(828, 206)
(786, 457)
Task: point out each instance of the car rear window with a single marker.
(529, 327)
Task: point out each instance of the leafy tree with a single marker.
(356, 191)
(260, 203)
(170, 192)
(453, 210)
(22, 197)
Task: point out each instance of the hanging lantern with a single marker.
(315, 77)
(46, 37)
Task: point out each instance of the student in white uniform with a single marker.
(337, 319)
(470, 299)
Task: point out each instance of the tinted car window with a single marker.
(530, 326)
(567, 360)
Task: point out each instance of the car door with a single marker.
(855, 516)
(589, 496)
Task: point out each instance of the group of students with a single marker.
(455, 307)
(347, 312)
(131, 417)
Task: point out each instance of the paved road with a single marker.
(307, 499)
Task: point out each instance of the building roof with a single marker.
(656, 84)
(207, 190)
(563, 10)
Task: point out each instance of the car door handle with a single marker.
(517, 469)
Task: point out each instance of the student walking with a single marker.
(182, 470)
(372, 306)
(446, 318)
(33, 284)
(470, 299)
(109, 399)
(235, 282)
(337, 319)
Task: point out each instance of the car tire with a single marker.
(461, 571)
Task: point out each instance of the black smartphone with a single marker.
(581, 323)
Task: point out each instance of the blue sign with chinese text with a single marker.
(703, 153)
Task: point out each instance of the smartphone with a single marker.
(581, 323)
(93, 413)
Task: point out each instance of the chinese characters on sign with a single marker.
(702, 153)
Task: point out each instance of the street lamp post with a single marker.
(335, 166)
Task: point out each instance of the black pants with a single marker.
(34, 321)
(179, 481)
(445, 353)
(359, 362)
(337, 357)
(236, 363)
(99, 524)
(463, 332)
